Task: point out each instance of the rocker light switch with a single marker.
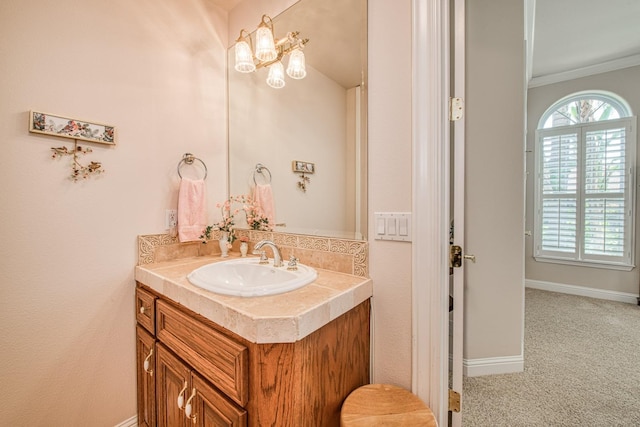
(393, 226)
(403, 227)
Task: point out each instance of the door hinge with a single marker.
(456, 109)
(454, 401)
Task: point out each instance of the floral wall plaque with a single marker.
(50, 124)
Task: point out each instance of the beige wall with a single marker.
(625, 84)
(390, 185)
(153, 69)
(494, 201)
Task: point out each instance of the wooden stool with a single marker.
(385, 405)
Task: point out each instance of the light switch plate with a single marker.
(393, 226)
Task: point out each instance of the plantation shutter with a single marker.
(585, 200)
(559, 192)
(605, 185)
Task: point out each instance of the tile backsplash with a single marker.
(341, 255)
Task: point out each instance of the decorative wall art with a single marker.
(78, 170)
(50, 124)
(54, 125)
(303, 168)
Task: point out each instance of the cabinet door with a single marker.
(146, 374)
(212, 409)
(172, 382)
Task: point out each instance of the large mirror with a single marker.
(307, 140)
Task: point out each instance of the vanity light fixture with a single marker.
(269, 53)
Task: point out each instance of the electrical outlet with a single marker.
(170, 218)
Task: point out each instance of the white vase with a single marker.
(223, 242)
(244, 247)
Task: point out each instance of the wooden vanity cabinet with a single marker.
(230, 381)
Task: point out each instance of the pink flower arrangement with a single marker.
(256, 220)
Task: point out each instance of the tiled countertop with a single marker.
(286, 317)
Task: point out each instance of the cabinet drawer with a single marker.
(219, 359)
(145, 310)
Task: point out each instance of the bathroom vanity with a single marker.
(207, 359)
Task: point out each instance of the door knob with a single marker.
(456, 256)
(472, 258)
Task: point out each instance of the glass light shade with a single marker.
(276, 75)
(296, 68)
(244, 57)
(265, 46)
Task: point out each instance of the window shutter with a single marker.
(605, 173)
(585, 210)
(559, 192)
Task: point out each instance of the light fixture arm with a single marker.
(283, 51)
(264, 23)
(245, 36)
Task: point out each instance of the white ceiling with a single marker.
(571, 35)
(226, 4)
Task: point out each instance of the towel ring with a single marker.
(260, 168)
(188, 159)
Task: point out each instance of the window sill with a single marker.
(589, 264)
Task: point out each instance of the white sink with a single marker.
(245, 277)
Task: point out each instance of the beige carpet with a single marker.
(582, 368)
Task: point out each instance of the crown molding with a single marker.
(605, 67)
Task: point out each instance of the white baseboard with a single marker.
(582, 291)
(493, 365)
(131, 422)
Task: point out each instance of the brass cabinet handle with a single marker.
(189, 408)
(142, 309)
(146, 363)
(470, 257)
(181, 397)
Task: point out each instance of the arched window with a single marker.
(584, 107)
(585, 160)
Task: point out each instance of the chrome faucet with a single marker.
(277, 258)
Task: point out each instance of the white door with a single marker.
(433, 151)
(457, 200)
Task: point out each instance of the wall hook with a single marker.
(304, 180)
(78, 170)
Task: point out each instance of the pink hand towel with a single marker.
(263, 195)
(192, 210)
